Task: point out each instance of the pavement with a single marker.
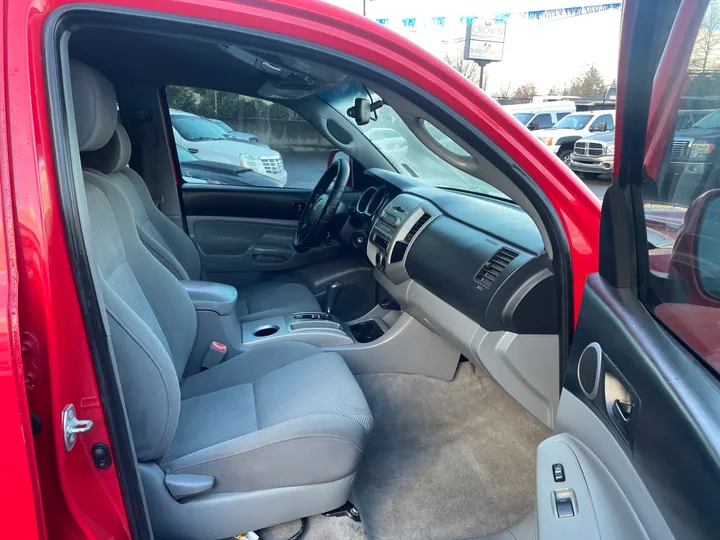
(305, 169)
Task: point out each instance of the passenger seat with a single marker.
(175, 250)
(268, 436)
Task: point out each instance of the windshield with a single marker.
(184, 155)
(573, 121)
(220, 124)
(194, 128)
(524, 117)
(711, 121)
(410, 157)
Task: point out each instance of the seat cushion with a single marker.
(270, 298)
(277, 416)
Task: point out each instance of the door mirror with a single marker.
(532, 126)
(695, 259)
(707, 240)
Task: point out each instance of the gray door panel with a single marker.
(251, 245)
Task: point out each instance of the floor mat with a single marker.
(318, 528)
(445, 459)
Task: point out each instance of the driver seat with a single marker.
(175, 250)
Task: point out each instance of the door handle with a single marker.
(622, 410)
(192, 150)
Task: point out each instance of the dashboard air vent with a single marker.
(415, 228)
(494, 266)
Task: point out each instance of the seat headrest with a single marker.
(112, 157)
(95, 106)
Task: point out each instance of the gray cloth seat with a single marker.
(271, 435)
(174, 249)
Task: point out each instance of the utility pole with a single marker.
(482, 64)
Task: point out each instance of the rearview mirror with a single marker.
(361, 111)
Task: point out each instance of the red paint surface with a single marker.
(79, 500)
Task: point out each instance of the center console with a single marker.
(394, 231)
(318, 329)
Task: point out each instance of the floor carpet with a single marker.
(445, 460)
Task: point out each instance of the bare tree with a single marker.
(503, 92)
(467, 68)
(526, 90)
(554, 91)
(704, 55)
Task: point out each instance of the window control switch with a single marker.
(564, 503)
(558, 472)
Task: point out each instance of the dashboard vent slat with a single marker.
(415, 228)
(494, 266)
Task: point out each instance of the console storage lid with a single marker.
(208, 296)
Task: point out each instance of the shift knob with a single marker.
(334, 288)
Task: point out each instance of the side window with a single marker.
(226, 138)
(681, 196)
(610, 122)
(543, 121)
(561, 115)
(602, 123)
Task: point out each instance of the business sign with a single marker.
(485, 40)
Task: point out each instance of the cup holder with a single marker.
(265, 331)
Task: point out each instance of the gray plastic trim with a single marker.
(610, 475)
(187, 485)
(598, 370)
(224, 515)
(319, 333)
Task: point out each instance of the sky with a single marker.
(547, 52)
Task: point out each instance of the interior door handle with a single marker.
(192, 150)
(622, 411)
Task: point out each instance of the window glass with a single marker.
(574, 121)
(543, 121)
(402, 148)
(523, 117)
(561, 115)
(597, 124)
(681, 194)
(226, 138)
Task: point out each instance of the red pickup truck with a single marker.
(446, 338)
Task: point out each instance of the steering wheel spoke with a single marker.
(312, 229)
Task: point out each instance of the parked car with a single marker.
(205, 139)
(386, 359)
(594, 155)
(231, 133)
(561, 138)
(694, 159)
(541, 115)
(200, 171)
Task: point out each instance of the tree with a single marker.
(704, 56)
(503, 92)
(467, 68)
(590, 83)
(526, 90)
(554, 91)
(181, 98)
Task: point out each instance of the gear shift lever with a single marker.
(334, 288)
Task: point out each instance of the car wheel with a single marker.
(564, 154)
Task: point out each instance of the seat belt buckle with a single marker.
(214, 355)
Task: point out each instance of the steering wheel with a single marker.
(321, 207)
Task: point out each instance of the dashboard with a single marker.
(482, 256)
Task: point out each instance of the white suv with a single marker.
(562, 136)
(207, 141)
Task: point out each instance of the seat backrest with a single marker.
(163, 238)
(152, 321)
